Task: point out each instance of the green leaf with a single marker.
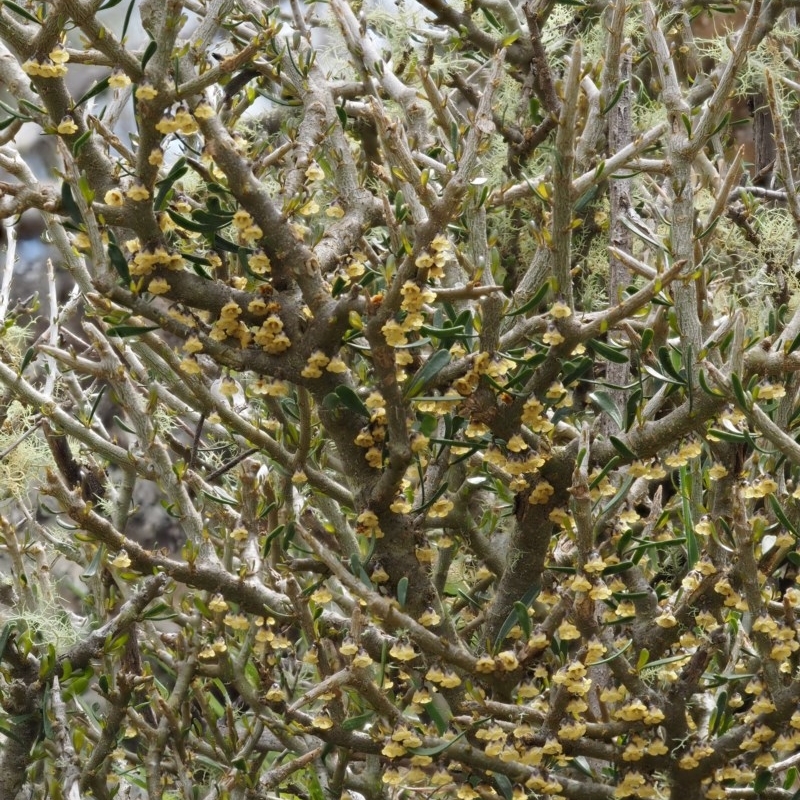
(439, 748)
(4, 636)
(781, 515)
(21, 12)
(665, 359)
(513, 618)
(429, 370)
(762, 781)
(179, 169)
(641, 662)
(402, 591)
(119, 262)
(149, 52)
(615, 99)
(351, 400)
(605, 402)
(612, 464)
(620, 566)
(96, 563)
(358, 722)
(647, 339)
(537, 298)
(123, 331)
(738, 392)
(622, 448)
(439, 720)
(705, 386)
(127, 20)
(28, 357)
(523, 619)
(692, 547)
(727, 436)
(98, 88)
(221, 497)
(613, 655)
(795, 343)
(80, 143)
(615, 354)
(661, 377)
(69, 205)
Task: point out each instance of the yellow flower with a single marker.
(771, 391)
(138, 192)
(118, 79)
(275, 694)
(429, 617)
(146, 91)
(158, 286)
(67, 126)
(393, 750)
(113, 197)
(507, 660)
(217, 604)
(122, 560)
(403, 651)
(560, 311)
(541, 493)
(450, 680)
(237, 621)
(259, 262)
(394, 334)
(362, 659)
(336, 365)
(190, 366)
(59, 54)
(323, 722)
(440, 508)
(552, 337)
(516, 444)
(204, 111)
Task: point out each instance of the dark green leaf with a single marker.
(429, 370)
(351, 400)
(705, 386)
(68, 204)
(781, 515)
(439, 748)
(21, 12)
(615, 99)
(80, 142)
(124, 331)
(402, 591)
(438, 718)
(512, 619)
(98, 88)
(28, 357)
(738, 392)
(762, 781)
(119, 262)
(149, 52)
(178, 170)
(727, 436)
(615, 354)
(622, 448)
(358, 722)
(605, 402)
(537, 298)
(127, 20)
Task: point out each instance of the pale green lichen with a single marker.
(27, 454)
